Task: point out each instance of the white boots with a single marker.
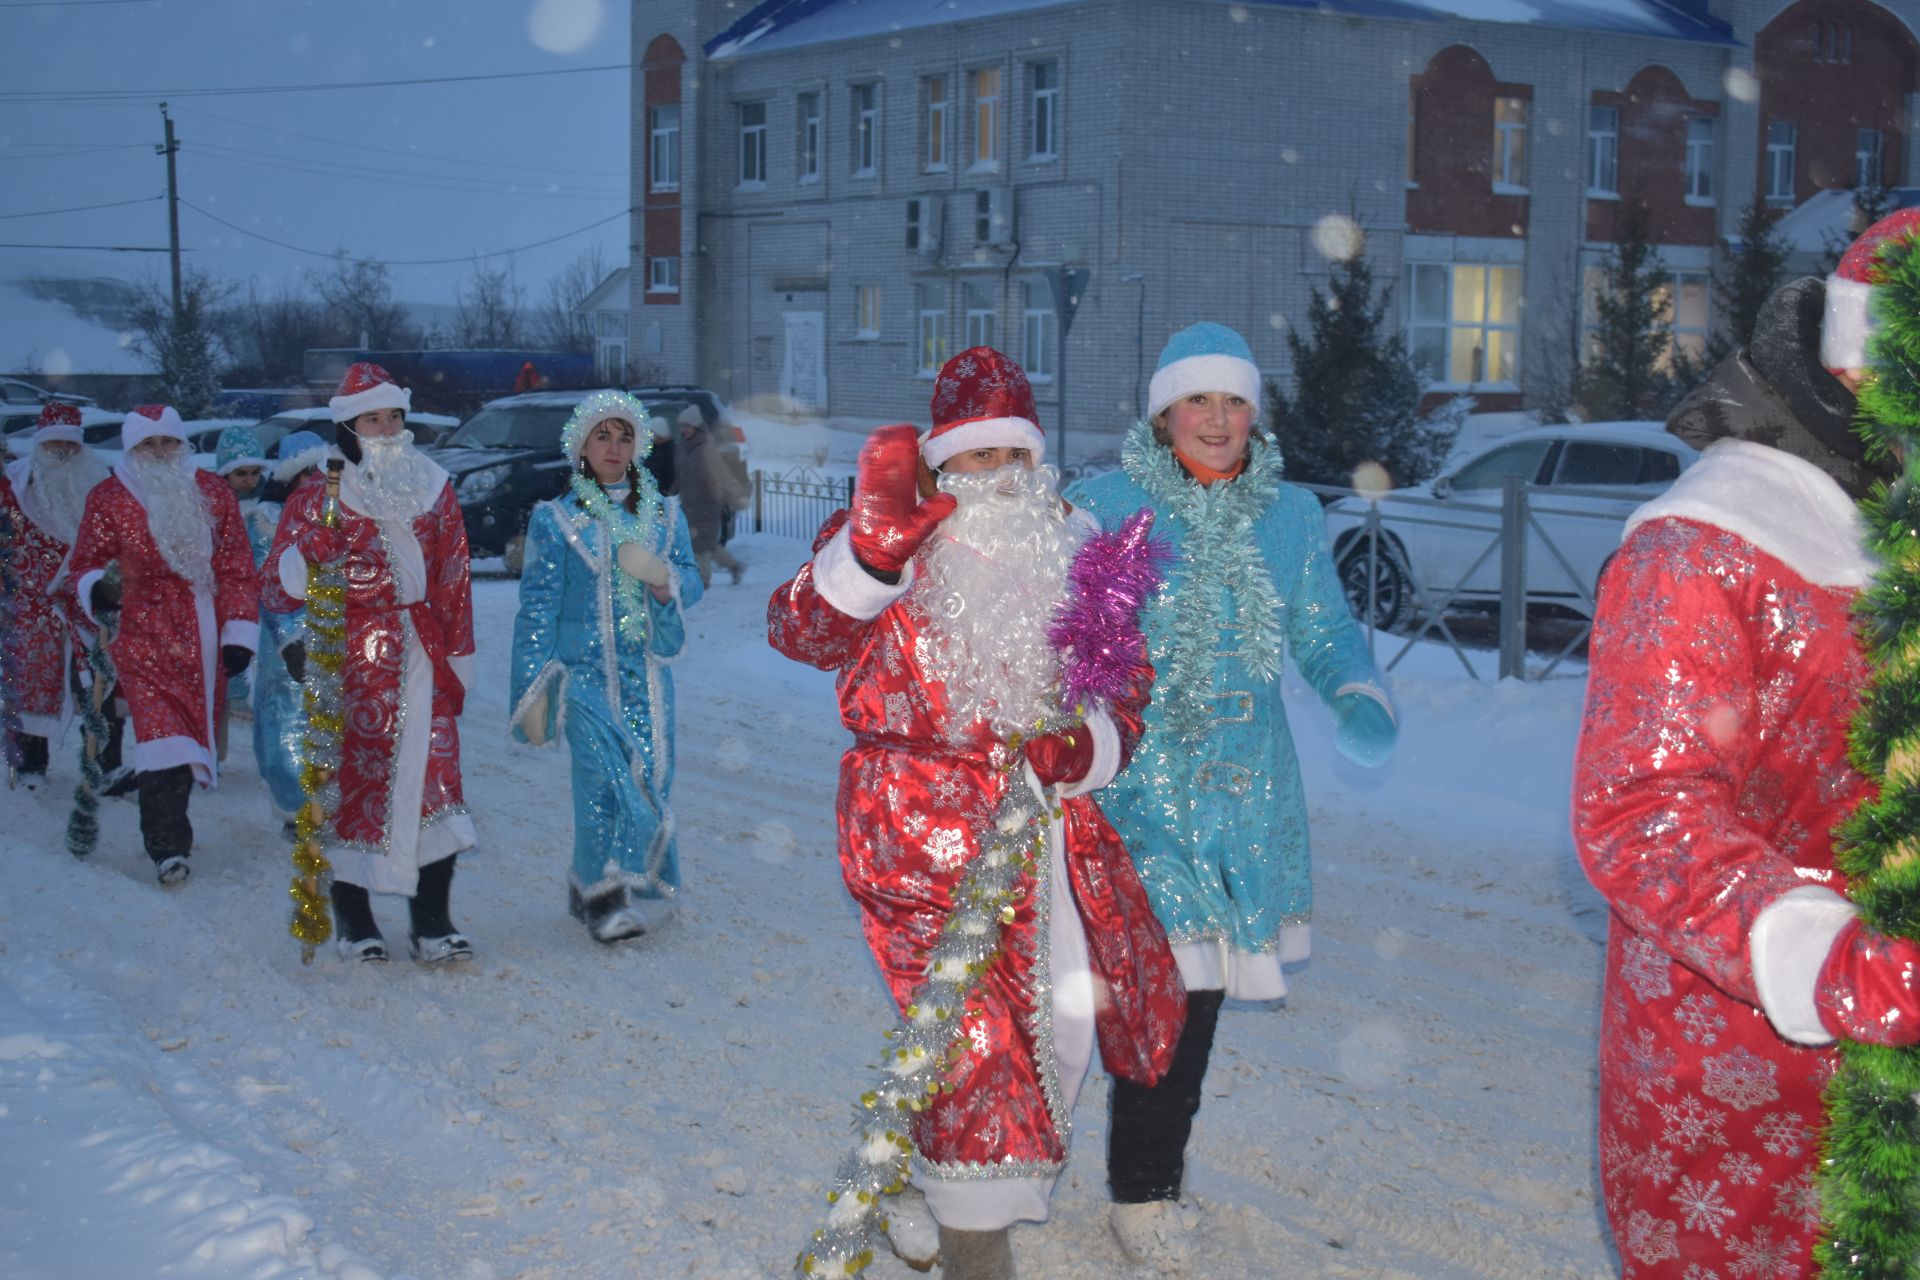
(1151, 1235)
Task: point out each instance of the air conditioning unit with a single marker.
(992, 216)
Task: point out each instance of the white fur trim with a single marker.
(1366, 690)
(384, 395)
(844, 584)
(1106, 756)
(462, 665)
(287, 468)
(1213, 965)
(169, 753)
(57, 431)
(139, 427)
(241, 632)
(293, 574)
(1084, 521)
(1203, 373)
(983, 433)
(548, 688)
(1788, 944)
(234, 464)
(1787, 507)
(1846, 323)
(84, 589)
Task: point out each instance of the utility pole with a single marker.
(173, 206)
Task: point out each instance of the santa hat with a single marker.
(238, 447)
(149, 422)
(297, 451)
(982, 400)
(58, 421)
(1204, 357)
(1849, 320)
(598, 408)
(367, 387)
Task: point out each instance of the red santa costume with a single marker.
(409, 618)
(41, 499)
(931, 710)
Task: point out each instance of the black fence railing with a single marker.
(794, 504)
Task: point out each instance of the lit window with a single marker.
(1037, 329)
(1683, 312)
(866, 311)
(663, 148)
(1700, 160)
(1463, 323)
(753, 143)
(1603, 150)
(983, 321)
(1781, 139)
(1046, 110)
(1510, 143)
(930, 305)
(807, 109)
(866, 129)
(986, 116)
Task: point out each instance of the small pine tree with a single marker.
(1746, 279)
(1629, 372)
(186, 351)
(1356, 393)
(1870, 204)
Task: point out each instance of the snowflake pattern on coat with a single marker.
(43, 649)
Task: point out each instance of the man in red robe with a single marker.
(41, 498)
(935, 616)
(401, 544)
(187, 605)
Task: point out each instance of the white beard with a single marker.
(394, 480)
(177, 514)
(989, 583)
(57, 490)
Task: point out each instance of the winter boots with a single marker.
(609, 914)
(164, 827)
(912, 1233)
(433, 937)
(353, 914)
(1151, 1235)
(976, 1255)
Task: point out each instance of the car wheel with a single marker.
(1391, 589)
(514, 554)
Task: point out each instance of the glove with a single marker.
(234, 658)
(295, 656)
(1364, 731)
(104, 599)
(889, 521)
(638, 562)
(1866, 990)
(1061, 757)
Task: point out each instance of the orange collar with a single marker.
(1206, 474)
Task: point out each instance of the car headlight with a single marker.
(476, 485)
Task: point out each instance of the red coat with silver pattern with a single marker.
(41, 646)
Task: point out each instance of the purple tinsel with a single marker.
(1097, 630)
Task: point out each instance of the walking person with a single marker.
(708, 490)
(279, 704)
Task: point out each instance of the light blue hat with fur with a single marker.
(1204, 357)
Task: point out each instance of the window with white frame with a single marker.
(1782, 136)
(866, 311)
(663, 148)
(1510, 143)
(807, 149)
(1603, 151)
(1045, 110)
(986, 117)
(663, 275)
(983, 320)
(1463, 323)
(1037, 329)
(866, 129)
(1700, 160)
(610, 361)
(1866, 158)
(930, 337)
(753, 143)
(934, 91)
(1683, 312)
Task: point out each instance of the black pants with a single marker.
(1147, 1128)
(427, 910)
(163, 812)
(33, 752)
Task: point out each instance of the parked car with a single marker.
(98, 427)
(1435, 538)
(14, 391)
(427, 428)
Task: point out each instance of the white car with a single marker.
(1440, 543)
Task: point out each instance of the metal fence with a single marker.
(794, 504)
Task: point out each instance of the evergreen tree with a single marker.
(1870, 204)
(185, 349)
(1356, 393)
(1746, 279)
(1629, 372)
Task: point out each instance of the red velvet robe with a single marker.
(166, 655)
(910, 804)
(43, 649)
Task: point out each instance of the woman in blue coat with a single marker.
(279, 704)
(1211, 806)
(609, 568)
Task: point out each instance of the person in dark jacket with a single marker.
(707, 489)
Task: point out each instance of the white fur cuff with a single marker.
(1368, 690)
(1106, 756)
(293, 574)
(243, 632)
(844, 584)
(1846, 324)
(1789, 943)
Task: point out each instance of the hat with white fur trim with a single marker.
(59, 421)
(605, 406)
(238, 447)
(982, 400)
(367, 387)
(149, 422)
(1848, 320)
(1204, 357)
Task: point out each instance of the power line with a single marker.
(103, 248)
(70, 96)
(398, 177)
(80, 208)
(408, 262)
(78, 151)
(64, 4)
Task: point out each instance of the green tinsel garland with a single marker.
(622, 527)
(83, 823)
(1870, 1167)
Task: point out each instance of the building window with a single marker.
(1603, 151)
(983, 320)
(807, 149)
(1046, 110)
(936, 98)
(663, 275)
(986, 117)
(1781, 137)
(753, 144)
(1037, 329)
(1833, 42)
(914, 228)
(1510, 144)
(930, 305)
(866, 311)
(1700, 160)
(866, 129)
(1866, 159)
(663, 148)
(1463, 323)
(1682, 302)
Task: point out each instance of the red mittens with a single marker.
(1868, 987)
(1061, 757)
(889, 521)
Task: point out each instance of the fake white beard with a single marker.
(57, 489)
(394, 481)
(989, 582)
(177, 514)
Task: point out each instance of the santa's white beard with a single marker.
(394, 480)
(990, 580)
(177, 514)
(58, 487)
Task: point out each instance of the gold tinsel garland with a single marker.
(326, 652)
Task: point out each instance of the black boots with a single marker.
(353, 917)
(433, 937)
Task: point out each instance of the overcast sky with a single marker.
(426, 171)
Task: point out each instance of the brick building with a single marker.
(832, 195)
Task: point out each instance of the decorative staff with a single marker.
(326, 651)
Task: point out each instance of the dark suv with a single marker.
(506, 459)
